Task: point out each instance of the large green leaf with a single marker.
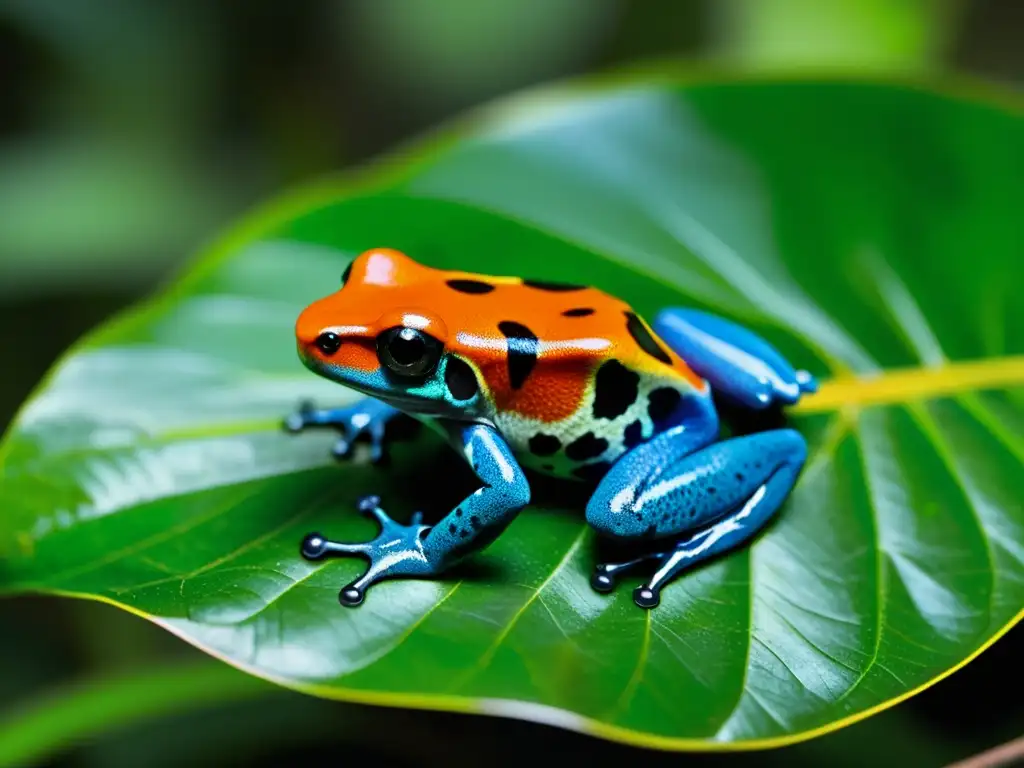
(871, 231)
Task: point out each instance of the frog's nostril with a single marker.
(328, 343)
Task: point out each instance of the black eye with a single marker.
(408, 352)
(345, 275)
(328, 342)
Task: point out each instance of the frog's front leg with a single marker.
(709, 501)
(420, 550)
(734, 360)
(367, 417)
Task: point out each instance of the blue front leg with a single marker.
(420, 550)
(734, 360)
(708, 501)
(368, 417)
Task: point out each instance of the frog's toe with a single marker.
(370, 505)
(314, 546)
(363, 424)
(377, 453)
(390, 528)
(605, 576)
(300, 418)
(646, 597)
(808, 384)
(351, 596)
(601, 580)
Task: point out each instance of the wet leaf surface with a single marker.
(870, 231)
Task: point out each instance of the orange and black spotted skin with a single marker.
(569, 376)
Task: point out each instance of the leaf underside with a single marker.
(861, 228)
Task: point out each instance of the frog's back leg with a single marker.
(734, 360)
(706, 496)
(707, 501)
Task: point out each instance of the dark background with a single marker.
(132, 132)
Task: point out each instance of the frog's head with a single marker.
(383, 334)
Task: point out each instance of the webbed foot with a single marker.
(397, 551)
(714, 500)
(367, 418)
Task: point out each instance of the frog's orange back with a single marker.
(548, 355)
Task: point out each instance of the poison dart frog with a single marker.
(563, 379)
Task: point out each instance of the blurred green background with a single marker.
(133, 132)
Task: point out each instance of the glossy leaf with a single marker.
(871, 231)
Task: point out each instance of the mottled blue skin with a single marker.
(419, 550)
(735, 361)
(683, 486)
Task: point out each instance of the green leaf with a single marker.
(870, 230)
(93, 707)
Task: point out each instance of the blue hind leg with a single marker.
(709, 501)
(735, 361)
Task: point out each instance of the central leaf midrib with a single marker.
(901, 386)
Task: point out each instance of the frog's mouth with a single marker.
(407, 404)
(421, 405)
(376, 386)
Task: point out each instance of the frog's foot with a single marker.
(397, 551)
(712, 501)
(366, 418)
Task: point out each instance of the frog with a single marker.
(523, 375)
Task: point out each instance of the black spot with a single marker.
(486, 536)
(544, 285)
(522, 351)
(458, 512)
(475, 522)
(578, 312)
(739, 477)
(470, 286)
(544, 445)
(634, 434)
(616, 388)
(662, 404)
(463, 533)
(594, 471)
(460, 379)
(644, 340)
(451, 528)
(586, 447)
(346, 274)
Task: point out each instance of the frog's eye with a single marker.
(408, 351)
